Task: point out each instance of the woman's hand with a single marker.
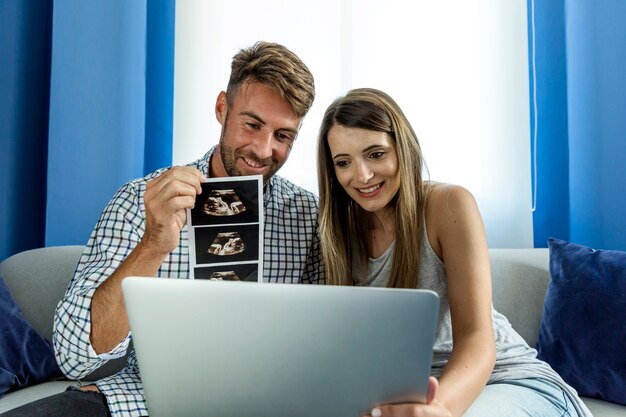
(431, 408)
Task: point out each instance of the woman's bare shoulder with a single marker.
(447, 196)
(453, 219)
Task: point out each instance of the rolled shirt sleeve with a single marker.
(116, 234)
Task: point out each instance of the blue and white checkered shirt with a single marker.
(291, 255)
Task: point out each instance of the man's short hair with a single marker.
(277, 67)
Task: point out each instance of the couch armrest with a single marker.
(38, 278)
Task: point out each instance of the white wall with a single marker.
(459, 70)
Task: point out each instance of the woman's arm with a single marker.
(456, 233)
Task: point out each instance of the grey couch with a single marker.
(38, 278)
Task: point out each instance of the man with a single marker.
(142, 230)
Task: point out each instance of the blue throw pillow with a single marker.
(582, 334)
(25, 356)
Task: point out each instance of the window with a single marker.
(459, 70)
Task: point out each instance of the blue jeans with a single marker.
(531, 397)
(70, 403)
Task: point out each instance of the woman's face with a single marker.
(366, 165)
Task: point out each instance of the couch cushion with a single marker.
(27, 395)
(582, 334)
(27, 358)
(520, 280)
(601, 408)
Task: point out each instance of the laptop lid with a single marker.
(224, 348)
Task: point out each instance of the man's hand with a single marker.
(166, 199)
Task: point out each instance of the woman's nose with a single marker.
(364, 173)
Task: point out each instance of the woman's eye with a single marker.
(377, 154)
(341, 164)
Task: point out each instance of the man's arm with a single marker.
(109, 321)
(166, 200)
(128, 240)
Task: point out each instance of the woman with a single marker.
(381, 224)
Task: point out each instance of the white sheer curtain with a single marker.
(458, 68)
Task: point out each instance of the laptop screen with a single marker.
(224, 348)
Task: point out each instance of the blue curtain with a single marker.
(24, 90)
(548, 88)
(581, 102)
(159, 84)
(86, 93)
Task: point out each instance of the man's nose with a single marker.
(263, 145)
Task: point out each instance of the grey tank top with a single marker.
(514, 358)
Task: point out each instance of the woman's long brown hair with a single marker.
(343, 224)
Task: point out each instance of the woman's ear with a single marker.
(221, 107)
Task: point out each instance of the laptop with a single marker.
(224, 348)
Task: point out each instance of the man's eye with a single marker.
(284, 137)
(254, 126)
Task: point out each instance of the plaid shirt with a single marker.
(291, 255)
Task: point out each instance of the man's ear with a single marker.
(221, 107)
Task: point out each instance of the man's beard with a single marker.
(228, 159)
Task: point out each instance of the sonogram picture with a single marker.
(226, 230)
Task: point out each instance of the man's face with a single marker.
(258, 130)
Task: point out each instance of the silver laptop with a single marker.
(223, 348)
